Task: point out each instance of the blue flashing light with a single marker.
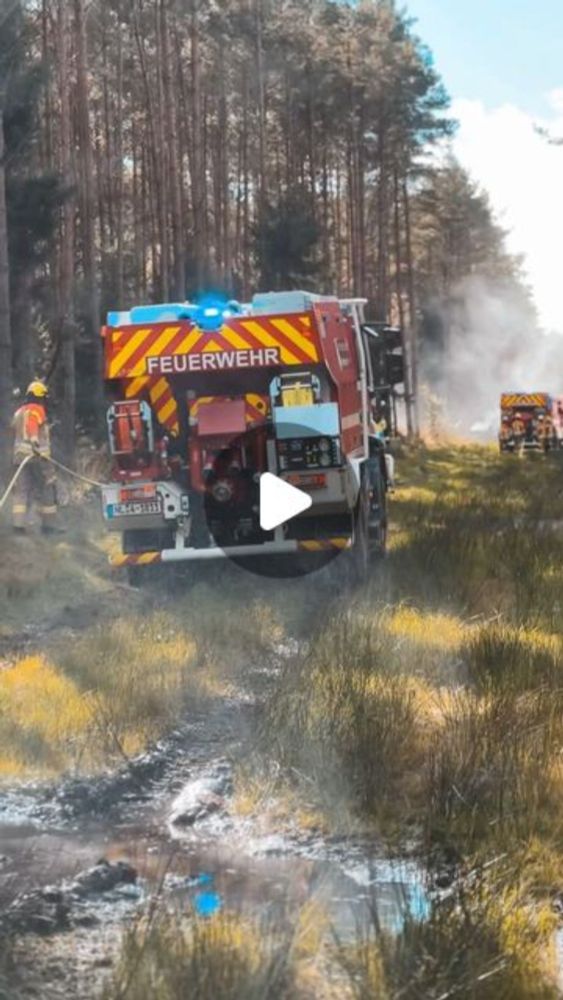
(207, 904)
(211, 312)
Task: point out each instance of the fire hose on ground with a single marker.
(52, 461)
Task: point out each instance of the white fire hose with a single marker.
(52, 461)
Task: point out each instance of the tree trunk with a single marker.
(413, 323)
(197, 161)
(88, 202)
(162, 159)
(119, 185)
(6, 377)
(174, 162)
(66, 325)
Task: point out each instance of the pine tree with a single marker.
(29, 200)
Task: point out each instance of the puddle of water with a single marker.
(257, 885)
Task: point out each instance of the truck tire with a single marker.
(359, 556)
(378, 516)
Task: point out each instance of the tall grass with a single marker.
(343, 718)
(224, 958)
(484, 941)
(437, 698)
(492, 766)
(102, 697)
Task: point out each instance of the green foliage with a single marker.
(33, 194)
(286, 241)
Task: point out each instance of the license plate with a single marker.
(133, 507)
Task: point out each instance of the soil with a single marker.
(165, 823)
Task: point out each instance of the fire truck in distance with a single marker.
(530, 421)
(207, 398)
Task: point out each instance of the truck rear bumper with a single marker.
(233, 552)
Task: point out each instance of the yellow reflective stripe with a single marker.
(47, 510)
(136, 386)
(314, 545)
(155, 350)
(19, 508)
(140, 559)
(166, 411)
(298, 339)
(267, 340)
(234, 338)
(126, 352)
(166, 337)
(158, 390)
(189, 342)
(212, 345)
(147, 557)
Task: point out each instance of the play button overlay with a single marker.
(253, 514)
(280, 501)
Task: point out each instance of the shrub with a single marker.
(481, 942)
(344, 718)
(492, 764)
(223, 958)
(501, 657)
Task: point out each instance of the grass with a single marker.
(434, 700)
(224, 958)
(43, 579)
(483, 941)
(426, 708)
(103, 696)
(140, 662)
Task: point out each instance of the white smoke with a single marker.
(491, 346)
(508, 152)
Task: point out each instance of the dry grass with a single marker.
(435, 700)
(484, 941)
(223, 958)
(99, 697)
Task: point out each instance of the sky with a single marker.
(502, 64)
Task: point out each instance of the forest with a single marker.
(151, 150)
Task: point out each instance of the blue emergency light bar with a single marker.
(208, 314)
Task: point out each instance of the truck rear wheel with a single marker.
(358, 559)
(377, 524)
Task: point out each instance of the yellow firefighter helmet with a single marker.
(37, 389)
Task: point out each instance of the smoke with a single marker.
(487, 343)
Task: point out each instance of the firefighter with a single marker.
(506, 435)
(518, 430)
(37, 480)
(545, 431)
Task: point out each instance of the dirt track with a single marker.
(170, 814)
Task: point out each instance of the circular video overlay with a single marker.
(283, 524)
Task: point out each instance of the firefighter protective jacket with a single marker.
(31, 427)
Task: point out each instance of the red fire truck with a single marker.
(207, 398)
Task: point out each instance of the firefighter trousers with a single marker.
(35, 484)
